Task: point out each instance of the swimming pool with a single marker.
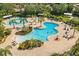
(16, 23)
(40, 34)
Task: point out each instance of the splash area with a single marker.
(17, 22)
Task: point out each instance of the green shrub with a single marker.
(75, 21)
(65, 19)
(4, 33)
(30, 44)
(77, 28)
(7, 31)
(56, 54)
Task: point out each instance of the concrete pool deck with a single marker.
(50, 47)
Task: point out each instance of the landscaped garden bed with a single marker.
(4, 34)
(24, 31)
(30, 44)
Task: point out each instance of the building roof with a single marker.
(69, 14)
(7, 16)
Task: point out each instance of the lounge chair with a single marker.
(14, 43)
(70, 37)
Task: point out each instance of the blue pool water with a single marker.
(40, 34)
(17, 24)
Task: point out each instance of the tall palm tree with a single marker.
(13, 22)
(5, 51)
(23, 21)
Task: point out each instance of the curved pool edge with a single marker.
(55, 34)
(48, 36)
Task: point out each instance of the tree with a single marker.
(1, 22)
(75, 21)
(70, 7)
(58, 9)
(76, 11)
(7, 9)
(5, 51)
(35, 9)
(29, 10)
(13, 22)
(1, 29)
(23, 21)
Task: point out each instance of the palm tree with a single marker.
(13, 22)
(21, 6)
(1, 22)
(1, 29)
(5, 51)
(23, 21)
